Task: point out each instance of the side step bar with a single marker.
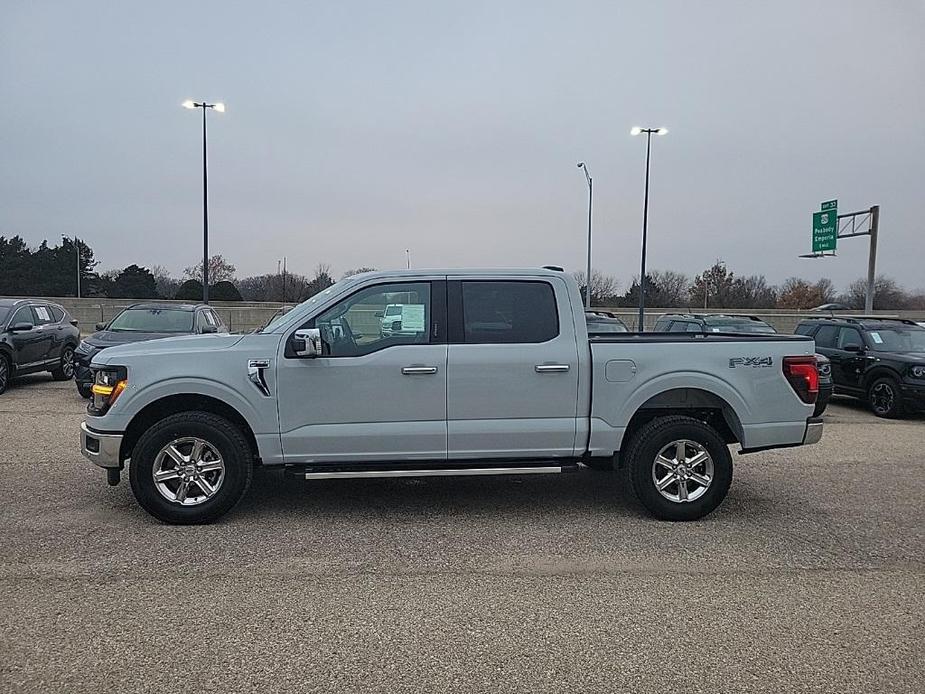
(322, 474)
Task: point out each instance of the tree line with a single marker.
(53, 271)
(717, 287)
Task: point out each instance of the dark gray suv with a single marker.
(35, 335)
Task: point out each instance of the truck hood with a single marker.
(108, 338)
(183, 344)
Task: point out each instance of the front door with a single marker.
(29, 346)
(378, 392)
(849, 362)
(512, 371)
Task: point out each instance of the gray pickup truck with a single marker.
(491, 372)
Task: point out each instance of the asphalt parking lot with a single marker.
(809, 578)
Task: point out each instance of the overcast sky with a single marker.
(355, 130)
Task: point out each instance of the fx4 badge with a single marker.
(754, 362)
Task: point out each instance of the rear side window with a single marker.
(42, 315)
(57, 313)
(509, 312)
(826, 335)
(804, 329)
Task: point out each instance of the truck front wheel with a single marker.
(191, 468)
(680, 467)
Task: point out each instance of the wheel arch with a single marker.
(172, 404)
(699, 403)
(880, 371)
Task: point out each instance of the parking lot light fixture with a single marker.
(645, 221)
(220, 107)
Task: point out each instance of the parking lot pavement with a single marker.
(809, 577)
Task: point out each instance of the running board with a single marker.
(322, 474)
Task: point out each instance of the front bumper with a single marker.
(813, 431)
(100, 448)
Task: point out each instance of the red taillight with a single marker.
(803, 375)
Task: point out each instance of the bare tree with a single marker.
(603, 287)
(220, 270)
(166, 285)
(888, 295)
(801, 294)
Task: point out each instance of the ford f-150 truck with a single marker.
(493, 372)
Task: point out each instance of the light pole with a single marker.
(645, 221)
(220, 107)
(583, 167)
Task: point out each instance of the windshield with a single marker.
(897, 340)
(740, 326)
(153, 320)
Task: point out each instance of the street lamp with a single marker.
(645, 221)
(581, 165)
(220, 107)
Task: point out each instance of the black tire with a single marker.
(84, 391)
(65, 369)
(6, 372)
(820, 408)
(599, 464)
(220, 434)
(885, 397)
(646, 444)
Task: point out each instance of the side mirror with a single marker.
(21, 327)
(307, 342)
(852, 347)
(101, 326)
(208, 329)
(74, 322)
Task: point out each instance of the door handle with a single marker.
(418, 370)
(551, 368)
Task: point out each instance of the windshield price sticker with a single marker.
(876, 338)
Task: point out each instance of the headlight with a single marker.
(918, 371)
(85, 348)
(108, 384)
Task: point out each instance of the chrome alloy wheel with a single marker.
(188, 471)
(682, 471)
(67, 363)
(882, 398)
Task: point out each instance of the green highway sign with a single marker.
(830, 205)
(825, 230)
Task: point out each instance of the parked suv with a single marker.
(138, 323)
(736, 323)
(35, 336)
(880, 360)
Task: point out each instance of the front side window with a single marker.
(153, 320)
(509, 312)
(849, 336)
(23, 315)
(367, 321)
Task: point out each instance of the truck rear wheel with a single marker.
(680, 467)
(191, 468)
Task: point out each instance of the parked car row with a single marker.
(37, 335)
(878, 360)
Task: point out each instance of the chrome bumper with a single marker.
(100, 448)
(813, 431)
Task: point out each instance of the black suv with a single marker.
(138, 323)
(740, 323)
(880, 360)
(35, 336)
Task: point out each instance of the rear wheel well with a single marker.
(159, 409)
(699, 404)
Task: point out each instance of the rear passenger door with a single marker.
(512, 369)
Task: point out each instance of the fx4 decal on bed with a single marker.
(754, 362)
